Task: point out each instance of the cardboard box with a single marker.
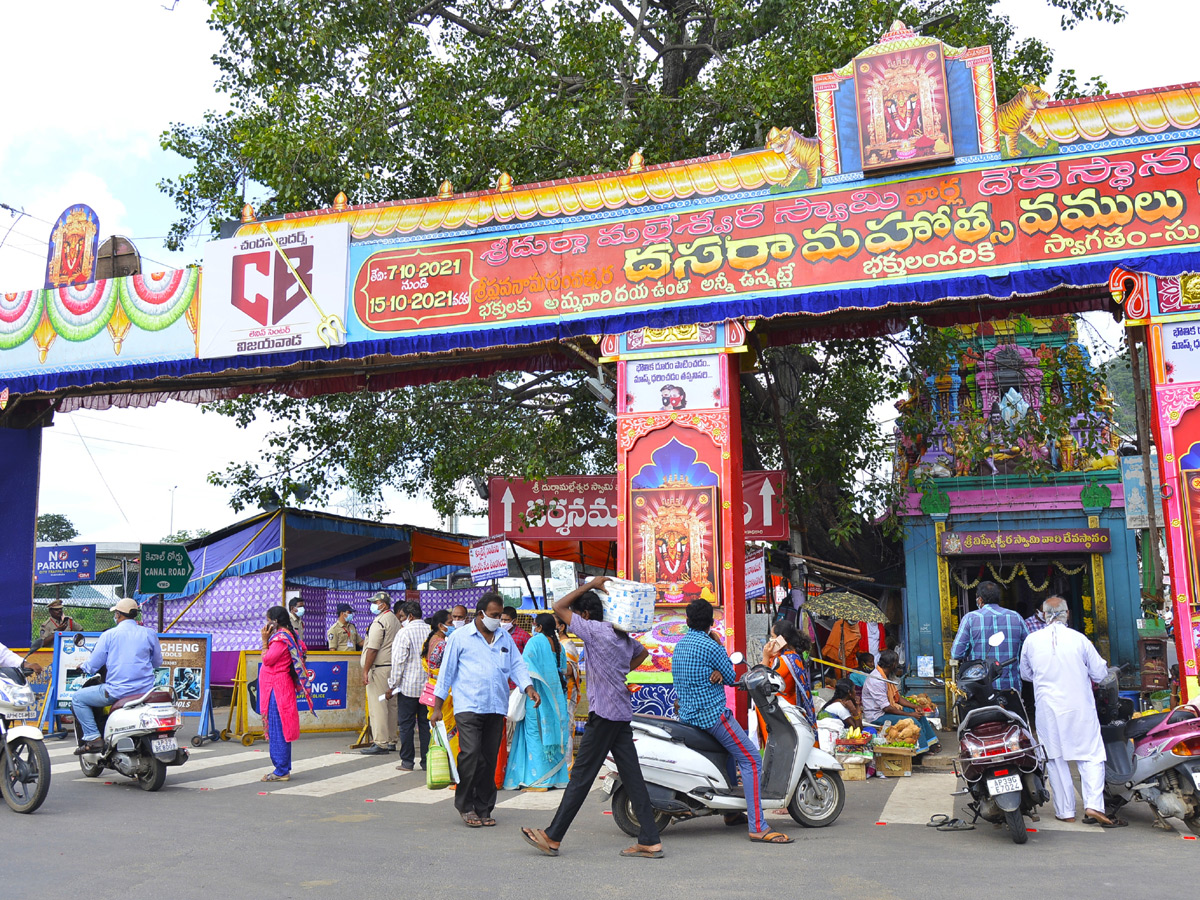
(894, 762)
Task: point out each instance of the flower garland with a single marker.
(1067, 571)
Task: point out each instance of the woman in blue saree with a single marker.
(541, 742)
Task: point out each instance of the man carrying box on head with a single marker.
(611, 656)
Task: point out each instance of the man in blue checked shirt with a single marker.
(701, 668)
(979, 625)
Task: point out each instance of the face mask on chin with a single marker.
(489, 623)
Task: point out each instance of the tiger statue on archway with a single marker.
(1019, 117)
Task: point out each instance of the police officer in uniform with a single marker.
(377, 666)
(342, 635)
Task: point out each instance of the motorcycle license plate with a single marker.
(23, 715)
(1004, 785)
(164, 745)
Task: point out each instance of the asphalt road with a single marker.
(351, 827)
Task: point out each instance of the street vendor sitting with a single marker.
(843, 706)
(884, 705)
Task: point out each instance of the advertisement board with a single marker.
(338, 695)
(673, 384)
(253, 302)
(64, 564)
(186, 667)
(756, 574)
(489, 559)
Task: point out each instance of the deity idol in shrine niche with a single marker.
(73, 248)
(903, 112)
(675, 529)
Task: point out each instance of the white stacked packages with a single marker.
(629, 605)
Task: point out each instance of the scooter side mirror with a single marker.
(737, 658)
(78, 640)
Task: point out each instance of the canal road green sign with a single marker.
(165, 569)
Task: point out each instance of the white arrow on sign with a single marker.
(508, 500)
(767, 493)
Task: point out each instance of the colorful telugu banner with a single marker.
(991, 217)
(989, 543)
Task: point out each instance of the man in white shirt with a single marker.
(405, 681)
(1063, 665)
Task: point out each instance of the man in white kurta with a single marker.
(1063, 664)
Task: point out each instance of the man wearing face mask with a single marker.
(131, 654)
(406, 680)
(376, 667)
(458, 618)
(508, 621)
(296, 614)
(342, 635)
(478, 663)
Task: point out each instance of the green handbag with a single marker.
(437, 764)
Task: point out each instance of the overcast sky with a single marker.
(90, 88)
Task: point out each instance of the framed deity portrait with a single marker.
(903, 108)
(675, 541)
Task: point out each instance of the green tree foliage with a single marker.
(422, 440)
(55, 527)
(383, 99)
(183, 535)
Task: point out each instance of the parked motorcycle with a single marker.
(1155, 758)
(24, 760)
(139, 737)
(1003, 767)
(686, 774)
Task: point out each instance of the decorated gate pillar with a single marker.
(679, 475)
(1169, 308)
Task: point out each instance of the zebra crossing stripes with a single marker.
(359, 778)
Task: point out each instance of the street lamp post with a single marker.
(171, 528)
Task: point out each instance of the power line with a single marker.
(88, 449)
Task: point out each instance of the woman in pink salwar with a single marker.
(280, 675)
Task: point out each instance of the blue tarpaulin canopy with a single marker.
(324, 550)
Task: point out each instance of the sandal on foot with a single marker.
(538, 839)
(486, 821)
(637, 852)
(772, 837)
(472, 820)
(271, 776)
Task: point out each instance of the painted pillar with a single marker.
(1170, 310)
(679, 471)
(21, 450)
(1096, 618)
(947, 601)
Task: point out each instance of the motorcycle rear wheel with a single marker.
(627, 820)
(1016, 826)
(154, 778)
(90, 770)
(818, 802)
(25, 775)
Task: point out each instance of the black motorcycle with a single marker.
(1003, 766)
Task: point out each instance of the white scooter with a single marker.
(139, 738)
(685, 767)
(24, 760)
